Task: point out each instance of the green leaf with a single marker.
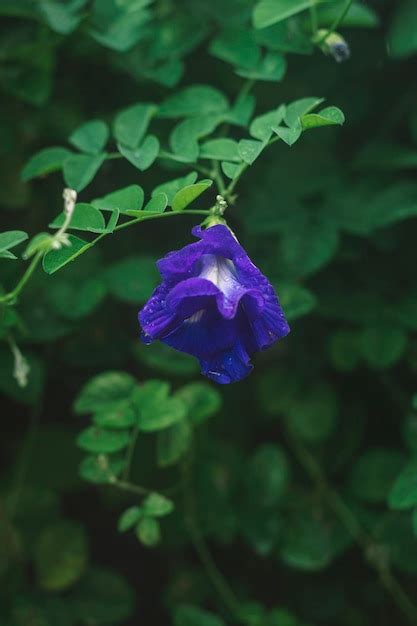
(249, 150)
(60, 555)
(344, 350)
(157, 204)
(296, 300)
(144, 156)
(311, 542)
(373, 474)
(402, 38)
(267, 475)
(99, 441)
(103, 390)
(288, 135)
(102, 597)
(185, 136)
(171, 187)
(187, 615)
(185, 196)
(8, 255)
(166, 360)
(41, 241)
(403, 494)
(157, 410)
(133, 279)
(237, 47)
(286, 37)
(242, 110)
(85, 217)
(62, 19)
(201, 399)
(157, 505)
(80, 169)
(358, 16)
(271, 67)
(55, 259)
(313, 415)
(231, 170)
(220, 150)
(173, 442)
(90, 137)
(72, 300)
(298, 108)
(11, 238)
(117, 28)
(119, 414)
(326, 117)
(148, 531)
(261, 126)
(194, 100)
(129, 518)
(308, 243)
(131, 124)
(382, 345)
(44, 162)
(126, 199)
(101, 470)
(268, 12)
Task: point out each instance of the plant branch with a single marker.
(218, 581)
(10, 297)
(336, 23)
(131, 451)
(353, 526)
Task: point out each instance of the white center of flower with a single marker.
(220, 271)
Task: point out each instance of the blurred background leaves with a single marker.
(303, 478)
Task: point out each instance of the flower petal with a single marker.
(205, 336)
(229, 366)
(155, 319)
(181, 264)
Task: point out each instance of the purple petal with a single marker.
(229, 366)
(215, 304)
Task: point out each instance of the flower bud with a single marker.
(334, 45)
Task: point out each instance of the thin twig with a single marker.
(218, 581)
(353, 526)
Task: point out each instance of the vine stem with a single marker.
(25, 458)
(353, 526)
(148, 215)
(125, 485)
(131, 451)
(218, 581)
(333, 27)
(12, 295)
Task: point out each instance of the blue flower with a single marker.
(215, 304)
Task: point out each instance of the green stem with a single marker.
(125, 485)
(336, 23)
(215, 576)
(218, 177)
(12, 295)
(147, 215)
(353, 526)
(246, 87)
(228, 192)
(131, 451)
(25, 458)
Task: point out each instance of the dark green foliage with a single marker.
(135, 492)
